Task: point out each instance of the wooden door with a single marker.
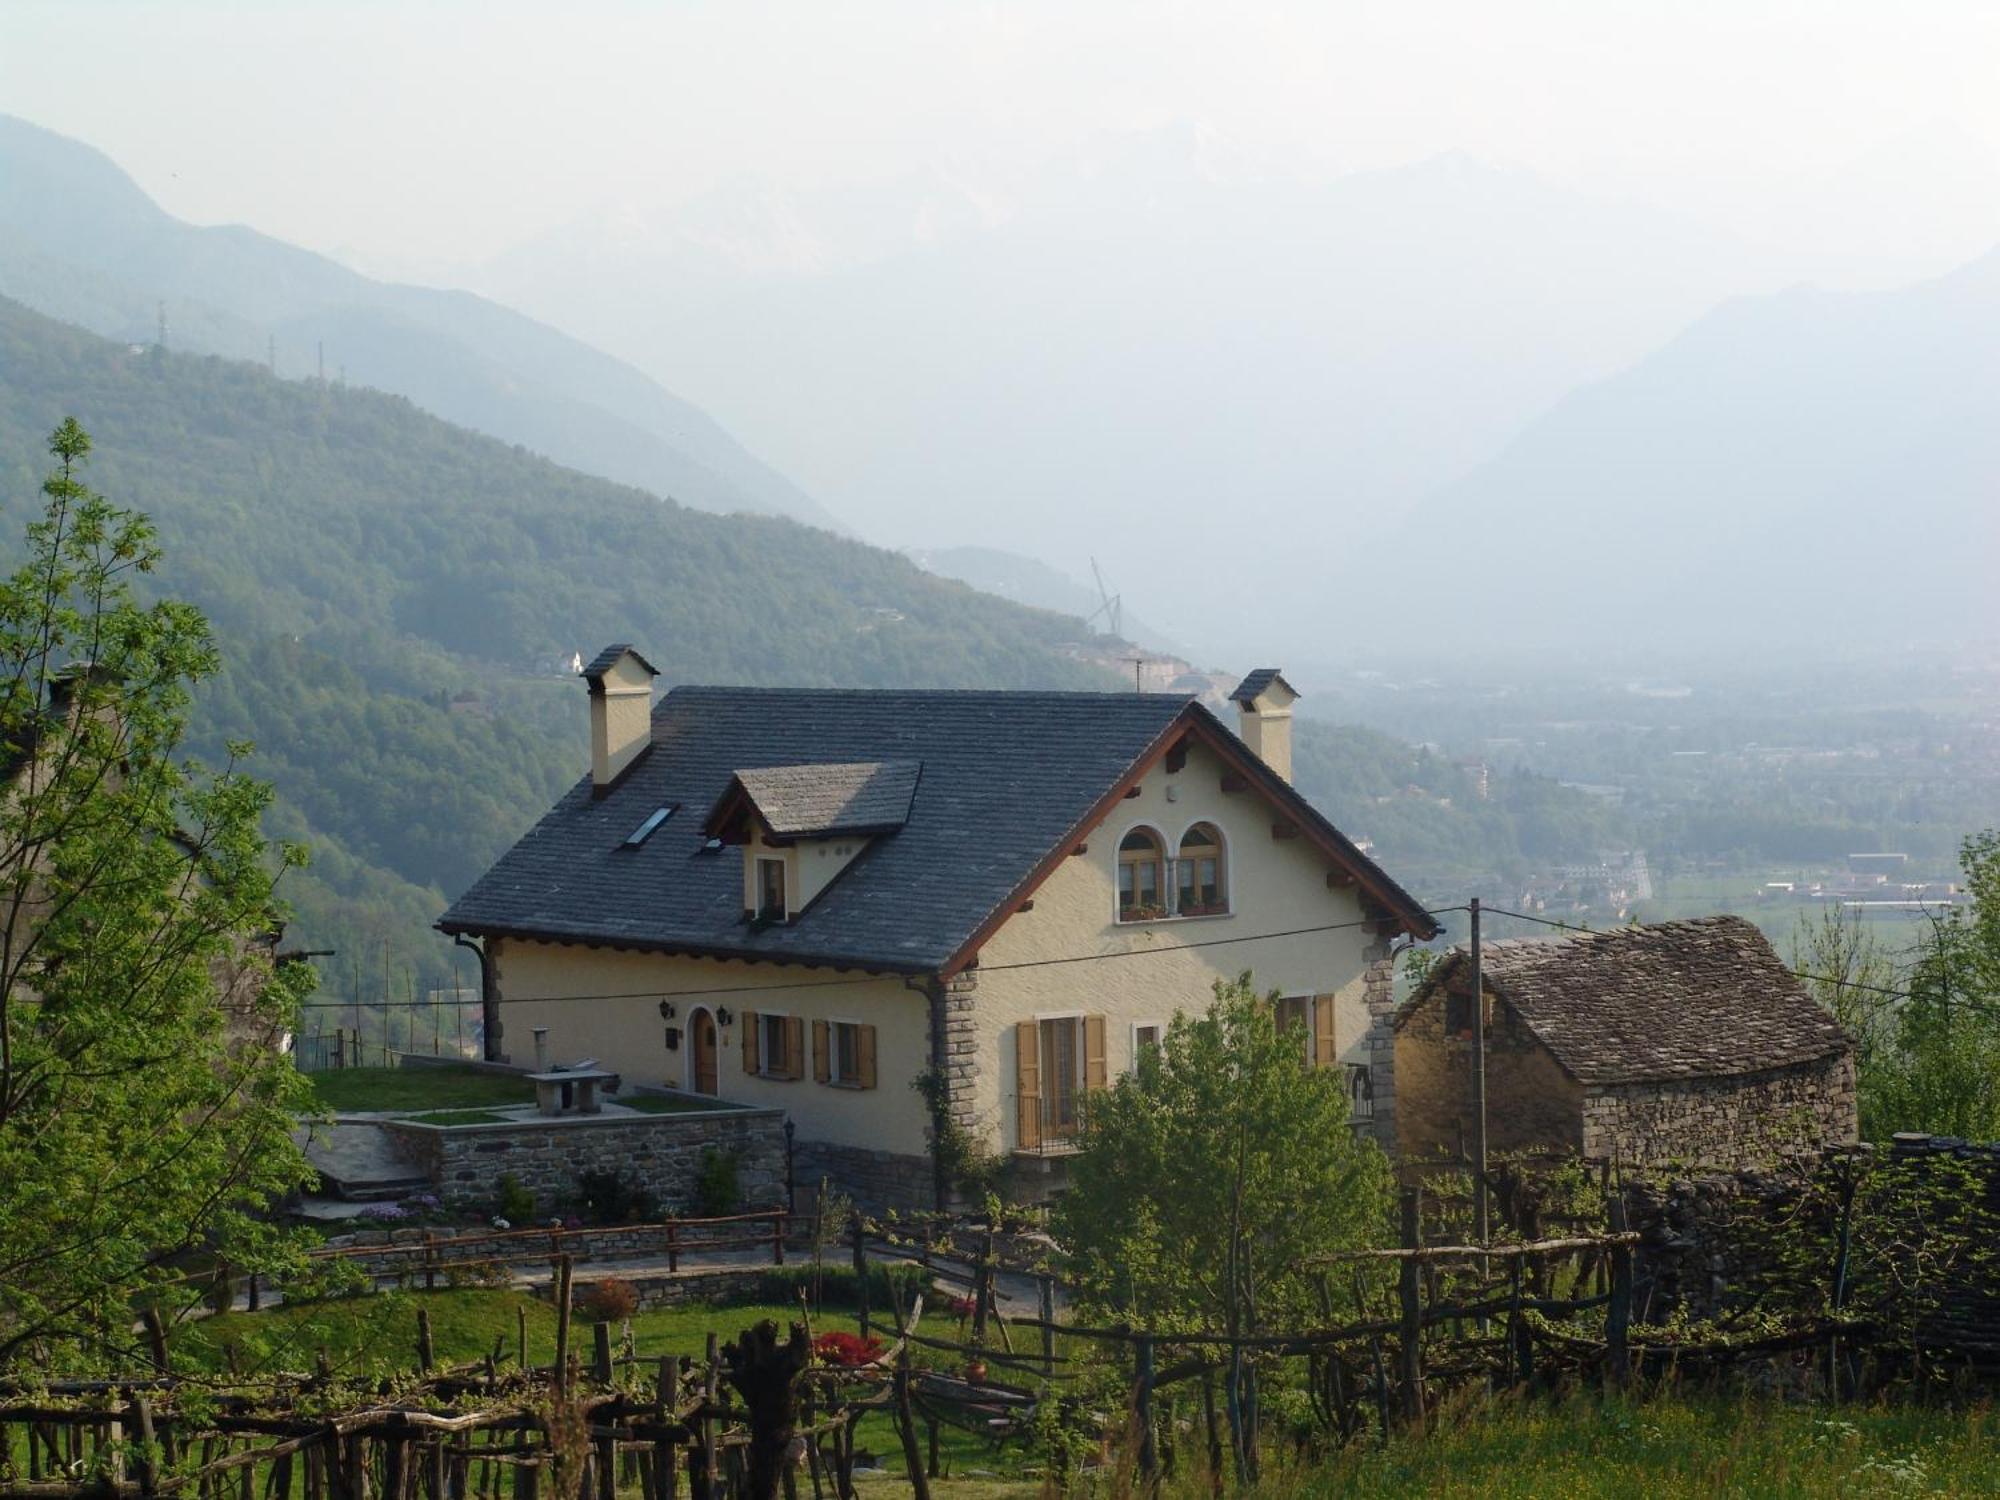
(702, 1039)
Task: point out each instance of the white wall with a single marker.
(628, 1035)
(1275, 885)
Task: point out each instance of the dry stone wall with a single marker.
(1723, 1122)
(661, 1154)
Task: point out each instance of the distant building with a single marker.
(1685, 1042)
(1880, 865)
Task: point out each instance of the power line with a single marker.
(812, 984)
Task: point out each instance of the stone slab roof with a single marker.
(1007, 779)
(865, 796)
(1255, 682)
(1703, 998)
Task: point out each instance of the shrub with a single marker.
(610, 1197)
(838, 1286)
(717, 1189)
(608, 1301)
(512, 1201)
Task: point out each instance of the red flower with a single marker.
(849, 1349)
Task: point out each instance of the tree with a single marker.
(146, 1103)
(1211, 1175)
(1846, 970)
(1938, 1072)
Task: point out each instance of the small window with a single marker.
(1294, 1010)
(1200, 866)
(1146, 1037)
(644, 831)
(1141, 893)
(771, 890)
(844, 1053)
(773, 1047)
(1458, 1015)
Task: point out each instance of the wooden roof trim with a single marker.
(1196, 722)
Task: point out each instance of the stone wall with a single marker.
(661, 1153)
(660, 1289)
(1378, 994)
(1531, 1103)
(1723, 1122)
(875, 1180)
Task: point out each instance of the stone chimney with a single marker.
(621, 712)
(1265, 699)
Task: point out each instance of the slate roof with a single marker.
(866, 796)
(1254, 683)
(1703, 998)
(1006, 779)
(606, 659)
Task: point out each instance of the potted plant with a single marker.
(975, 1370)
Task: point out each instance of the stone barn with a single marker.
(1679, 1042)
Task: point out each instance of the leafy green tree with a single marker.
(1845, 968)
(1939, 1069)
(1210, 1176)
(146, 1103)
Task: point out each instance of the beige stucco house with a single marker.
(814, 899)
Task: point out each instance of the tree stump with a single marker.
(765, 1372)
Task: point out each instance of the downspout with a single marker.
(489, 998)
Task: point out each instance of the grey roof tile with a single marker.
(1702, 998)
(867, 796)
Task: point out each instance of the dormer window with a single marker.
(1201, 889)
(1142, 862)
(771, 905)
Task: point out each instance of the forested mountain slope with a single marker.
(396, 597)
(80, 241)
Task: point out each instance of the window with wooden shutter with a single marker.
(747, 1019)
(1028, 1086)
(864, 1057)
(1324, 1053)
(1095, 1075)
(795, 1048)
(821, 1071)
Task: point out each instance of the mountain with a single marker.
(398, 600)
(1030, 581)
(1156, 354)
(80, 241)
(1806, 467)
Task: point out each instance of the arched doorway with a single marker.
(702, 1051)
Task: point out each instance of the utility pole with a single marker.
(1478, 1082)
(1138, 667)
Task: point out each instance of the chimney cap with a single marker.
(610, 656)
(1254, 686)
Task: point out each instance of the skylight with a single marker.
(644, 831)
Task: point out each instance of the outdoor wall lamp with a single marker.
(722, 1015)
(666, 1010)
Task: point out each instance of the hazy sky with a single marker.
(419, 133)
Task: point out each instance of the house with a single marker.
(1679, 1042)
(866, 906)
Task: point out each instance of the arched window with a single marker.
(1142, 864)
(1201, 884)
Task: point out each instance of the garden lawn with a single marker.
(420, 1088)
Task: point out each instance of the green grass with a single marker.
(419, 1088)
(1670, 1446)
(668, 1104)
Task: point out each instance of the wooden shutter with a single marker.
(1094, 1074)
(822, 1070)
(1325, 1051)
(795, 1047)
(1028, 1085)
(747, 1019)
(864, 1056)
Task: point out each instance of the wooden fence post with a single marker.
(1142, 1411)
(861, 1271)
(777, 1239)
(1618, 1312)
(1409, 1291)
(425, 1351)
(1045, 1287)
(906, 1425)
(563, 1273)
(601, 1352)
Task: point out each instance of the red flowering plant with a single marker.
(846, 1349)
